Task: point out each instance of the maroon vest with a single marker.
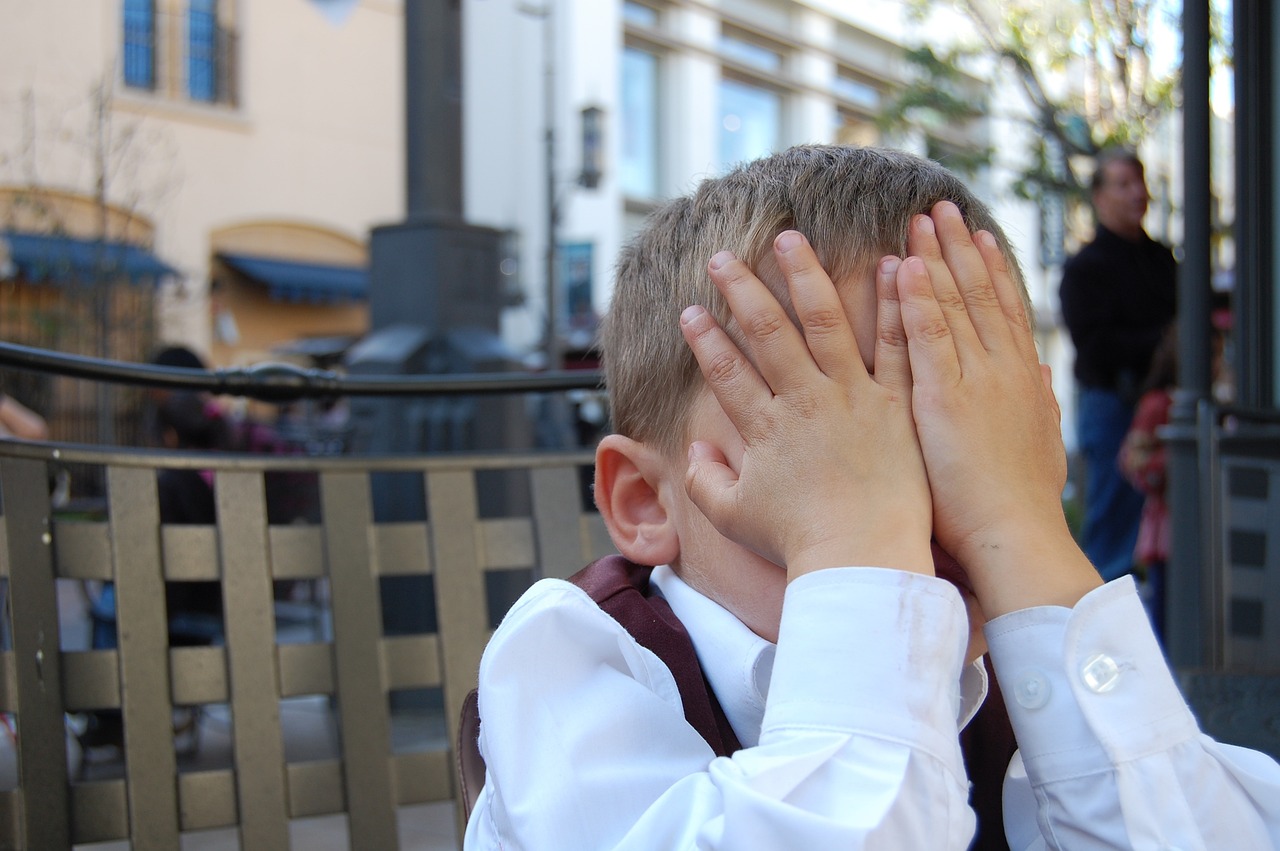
(622, 589)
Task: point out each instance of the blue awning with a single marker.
(65, 259)
(288, 280)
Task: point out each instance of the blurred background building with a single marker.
(232, 158)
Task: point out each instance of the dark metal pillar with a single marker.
(1190, 578)
(1253, 299)
(433, 108)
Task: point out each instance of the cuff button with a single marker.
(1100, 673)
(1032, 690)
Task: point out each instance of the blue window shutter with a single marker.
(140, 44)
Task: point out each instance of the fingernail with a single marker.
(787, 240)
(889, 265)
(720, 258)
(691, 313)
(924, 223)
(986, 239)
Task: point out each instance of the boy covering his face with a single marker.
(805, 427)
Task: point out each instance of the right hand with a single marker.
(829, 471)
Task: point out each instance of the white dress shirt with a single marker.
(850, 728)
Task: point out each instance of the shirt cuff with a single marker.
(870, 651)
(1088, 687)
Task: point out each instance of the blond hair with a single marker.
(853, 204)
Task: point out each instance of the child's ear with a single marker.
(629, 477)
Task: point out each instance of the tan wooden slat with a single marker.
(411, 661)
(460, 597)
(297, 552)
(401, 549)
(198, 674)
(99, 811)
(357, 629)
(33, 607)
(315, 789)
(8, 681)
(208, 799)
(190, 553)
(305, 669)
(258, 747)
(507, 542)
(143, 635)
(82, 549)
(10, 817)
(91, 680)
(556, 509)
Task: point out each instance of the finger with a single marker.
(737, 386)
(711, 483)
(973, 281)
(1046, 379)
(931, 346)
(772, 340)
(822, 318)
(1010, 295)
(922, 241)
(892, 360)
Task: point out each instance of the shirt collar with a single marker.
(739, 664)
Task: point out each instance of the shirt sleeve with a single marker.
(586, 744)
(1110, 755)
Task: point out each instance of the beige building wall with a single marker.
(313, 140)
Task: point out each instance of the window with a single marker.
(638, 163)
(849, 87)
(748, 51)
(750, 121)
(639, 14)
(202, 50)
(139, 44)
(180, 49)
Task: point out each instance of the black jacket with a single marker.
(1117, 299)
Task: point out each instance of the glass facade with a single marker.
(750, 121)
(638, 158)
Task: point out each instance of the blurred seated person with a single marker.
(17, 420)
(182, 420)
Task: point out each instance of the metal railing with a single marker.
(467, 564)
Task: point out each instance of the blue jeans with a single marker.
(1112, 508)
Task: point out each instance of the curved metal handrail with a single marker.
(193, 459)
(284, 382)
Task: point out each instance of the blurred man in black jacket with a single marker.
(1118, 296)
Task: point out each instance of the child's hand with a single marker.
(987, 420)
(827, 471)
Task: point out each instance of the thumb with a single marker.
(710, 481)
(1046, 377)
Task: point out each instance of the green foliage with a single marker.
(1088, 70)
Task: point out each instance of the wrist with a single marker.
(904, 552)
(1028, 565)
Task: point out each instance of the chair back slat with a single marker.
(258, 746)
(144, 656)
(362, 702)
(468, 559)
(33, 611)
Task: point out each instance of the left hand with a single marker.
(987, 420)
